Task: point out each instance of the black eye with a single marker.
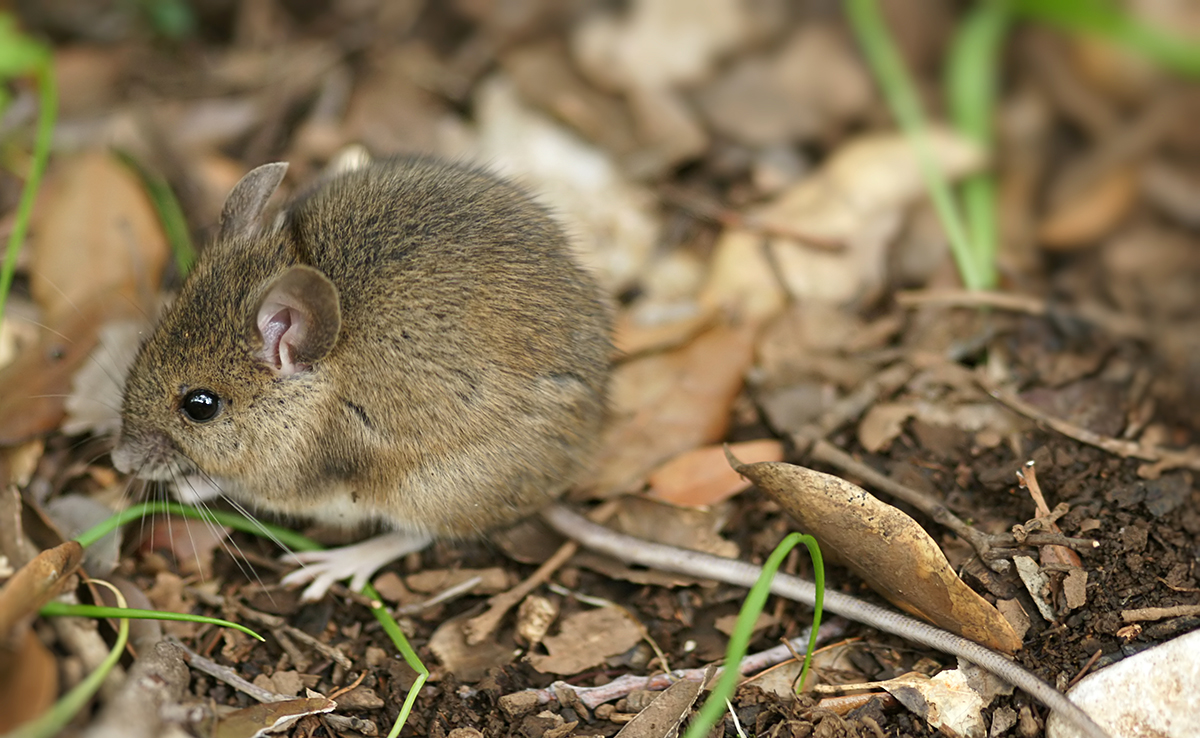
(201, 405)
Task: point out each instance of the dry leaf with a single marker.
(469, 663)
(1150, 694)
(37, 383)
(659, 43)
(857, 199)
(692, 528)
(882, 423)
(28, 682)
(269, 718)
(662, 717)
(702, 476)
(1091, 213)
(586, 639)
(669, 403)
(885, 547)
(97, 234)
(614, 223)
(947, 701)
(808, 89)
(35, 584)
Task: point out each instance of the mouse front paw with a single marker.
(358, 562)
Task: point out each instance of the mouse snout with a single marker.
(149, 455)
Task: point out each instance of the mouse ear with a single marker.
(243, 210)
(297, 320)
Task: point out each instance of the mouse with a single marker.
(409, 343)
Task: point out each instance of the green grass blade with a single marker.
(972, 73)
(47, 114)
(54, 720)
(753, 605)
(1105, 19)
(170, 214)
(289, 538)
(62, 609)
(392, 628)
(901, 97)
(293, 541)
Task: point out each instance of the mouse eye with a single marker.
(201, 405)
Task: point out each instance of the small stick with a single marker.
(483, 625)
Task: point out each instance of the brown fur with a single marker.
(466, 386)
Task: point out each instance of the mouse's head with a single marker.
(229, 380)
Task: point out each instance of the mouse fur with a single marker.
(451, 369)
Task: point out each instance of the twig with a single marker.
(1159, 613)
(1050, 554)
(229, 676)
(1112, 323)
(1162, 459)
(480, 627)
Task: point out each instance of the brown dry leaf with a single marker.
(948, 701)
(469, 663)
(35, 584)
(858, 199)
(615, 222)
(885, 547)
(97, 234)
(28, 682)
(269, 718)
(702, 476)
(1090, 213)
(669, 403)
(632, 337)
(544, 74)
(586, 639)
(37, 384)
(882, 423)
(808, 89)
(686, 527)
(662, 717)
(659, 43)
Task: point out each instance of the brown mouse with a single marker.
(409, 343)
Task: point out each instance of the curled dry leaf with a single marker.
(664, 714)
(949, 701)
(35, 584)
(885, 547)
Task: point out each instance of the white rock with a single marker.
(1155, 694)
